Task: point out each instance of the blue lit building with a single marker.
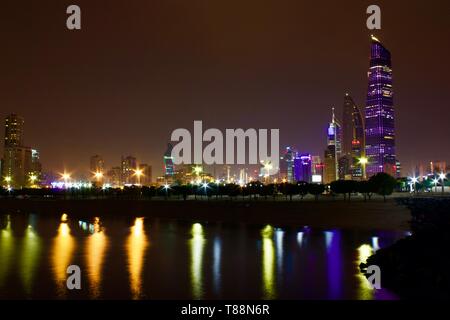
(303, 167)
(379, 124)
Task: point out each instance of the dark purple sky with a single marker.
(139, 69)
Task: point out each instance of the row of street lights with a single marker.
(442, 176)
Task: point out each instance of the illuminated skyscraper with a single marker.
(353, 141)
(287, 165)
(128, 167)
(20, 165)
(14, 131)
(97, 164)
(169, 169)
(333, 150)
(380, 132)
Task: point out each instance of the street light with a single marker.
(33, 179)
(8, 179)
(65, 176)
(363, 161)
(98, 175)
(442, 176)
(138, 173)
(166, 187)
(414, 180)
(435, 184)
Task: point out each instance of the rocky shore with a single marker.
(418, 266)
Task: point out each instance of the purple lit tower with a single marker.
(380, 132)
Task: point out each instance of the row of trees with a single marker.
(382, 184)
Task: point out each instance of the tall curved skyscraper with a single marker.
(353, 140)
(379, 126)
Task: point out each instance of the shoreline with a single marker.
(356, 214)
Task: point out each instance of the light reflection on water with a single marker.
(206, 261)
(6, 250)
(96, 246)
(197, 244)
(268, 262)
(63, 248)
(136, 245)
(30, 254)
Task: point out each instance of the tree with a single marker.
(339, 187)
(366, 188)
(316, 190)
(383, 184)
(302, 188)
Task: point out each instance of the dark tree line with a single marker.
(381, 184)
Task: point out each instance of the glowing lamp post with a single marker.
(166, 188)
(98, 176)
(442, 176)
(414, 180)
(33, 179)
(363, 161)
(8, 180)
(435, 181)
(66, 177)
(138, 173)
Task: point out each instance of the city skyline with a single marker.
(68, 121)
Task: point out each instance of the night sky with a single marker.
(139, 69)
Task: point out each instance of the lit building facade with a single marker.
(169, 169)
(353, 140)
(303, 167)
(20, 164)
(97, 164)
(287, 165)
(333, 150)
(128, 168)
(379, 124)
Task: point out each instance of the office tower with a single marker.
(344, 168)
(20, 164)
(333, 150)
(97, 164)
(353, 140)
(14, 131)
(287, 165)
(128, 168)
(146, 178)
(380, 130)
(317, 169)
(169, 169)
(114, 176)
(303, 167)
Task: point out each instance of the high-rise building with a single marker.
(303, 167)
(353, 140)
(97, 164)
(114, 176)
(128, 168)
(287, 165)
(169, 169)
(333, 150)
(14, 131)
(379, 126)
(146, 178)
(20, 164)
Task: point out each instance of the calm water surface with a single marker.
(140, 258)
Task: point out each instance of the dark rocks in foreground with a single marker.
(419, 265)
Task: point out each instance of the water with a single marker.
(140, 258)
